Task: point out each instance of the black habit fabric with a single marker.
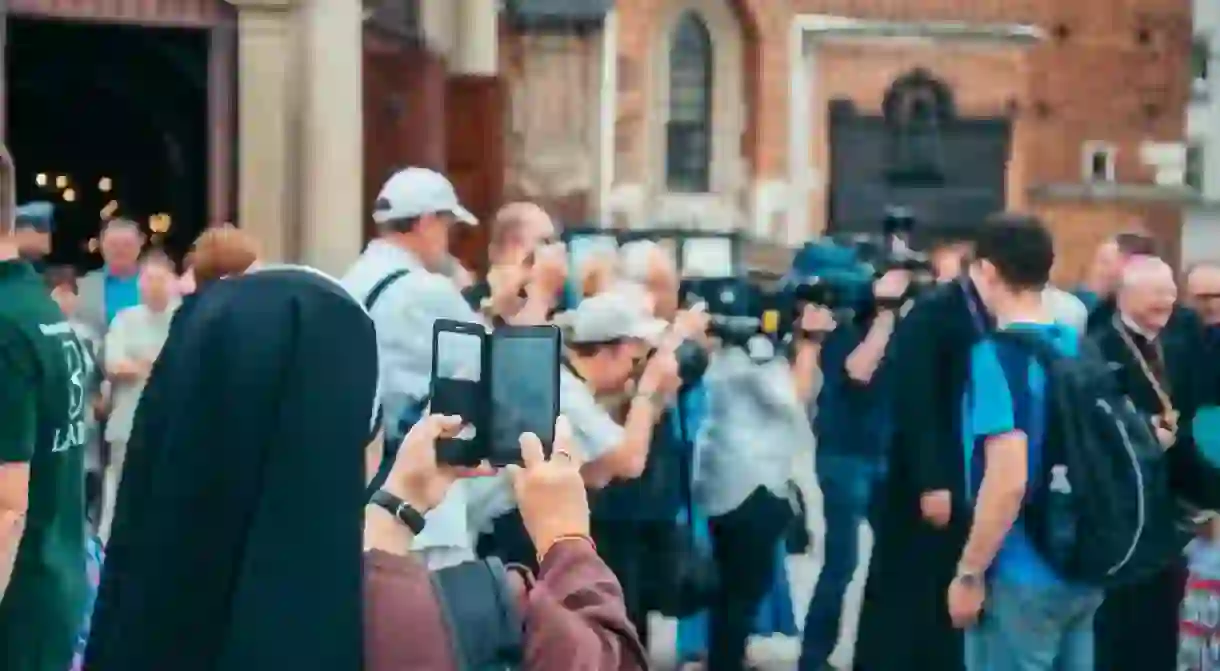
(236, 543)
(1137, 626)
(904, 622)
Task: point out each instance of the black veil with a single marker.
(236, 543)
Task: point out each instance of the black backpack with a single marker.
(481, 615)
(1100, 510)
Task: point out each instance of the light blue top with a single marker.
(992, 408)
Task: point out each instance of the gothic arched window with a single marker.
(688, 134)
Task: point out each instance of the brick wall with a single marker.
(987, 81)
(1110, 70)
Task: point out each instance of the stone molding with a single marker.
(266, 5)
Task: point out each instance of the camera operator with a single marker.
(756, 422)
(852, 426)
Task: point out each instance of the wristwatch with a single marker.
(405, 512)
(969, 577)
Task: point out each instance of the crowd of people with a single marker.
(235, 467)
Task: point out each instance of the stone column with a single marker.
(332, 169)
(222, 79)
(478, 31)
(264, 124)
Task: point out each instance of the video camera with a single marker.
(839, 273)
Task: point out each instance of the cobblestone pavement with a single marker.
(781, 653)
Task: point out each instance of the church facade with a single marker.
(786, 120)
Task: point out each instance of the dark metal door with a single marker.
(950, 171)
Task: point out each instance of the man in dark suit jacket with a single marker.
(1155, 348)
(919, 514)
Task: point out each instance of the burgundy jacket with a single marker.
(574, 616)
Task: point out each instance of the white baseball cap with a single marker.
(413, 192)
(610, 317)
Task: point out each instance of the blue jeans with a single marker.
(847, 484)
(1027, 628)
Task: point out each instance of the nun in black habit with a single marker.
(241, 380)
(904, 620)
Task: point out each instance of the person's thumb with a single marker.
(515, 473)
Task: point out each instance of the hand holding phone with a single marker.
(459, 350)
(502, 385)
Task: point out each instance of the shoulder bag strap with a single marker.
(383, 284)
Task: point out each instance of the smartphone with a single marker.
(459, 358)
(524, 373)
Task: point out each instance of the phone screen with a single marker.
(524, 391)
(459, 358)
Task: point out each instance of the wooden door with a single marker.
(474, 142)
(404, 111)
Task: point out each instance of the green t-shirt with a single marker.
(43, 371)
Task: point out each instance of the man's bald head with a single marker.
(650, 265)
(1147, 292)
(517, 230)
(1203, 290)
(1146, 271)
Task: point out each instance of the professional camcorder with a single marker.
(839, 273)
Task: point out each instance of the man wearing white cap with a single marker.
(608, 335)
(400, 278)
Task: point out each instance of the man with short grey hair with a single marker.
(115, 286)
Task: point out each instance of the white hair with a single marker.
(636, 258)
(1145, 269)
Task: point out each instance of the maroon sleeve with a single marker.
(575, 618)
(403, 624)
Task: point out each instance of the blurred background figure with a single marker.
(1105, 272)
(132, 345)
(1203, 294)
(35, 222)
(116, 285)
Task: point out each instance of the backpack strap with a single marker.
(480, 611)
(383, 284)
(978, 315)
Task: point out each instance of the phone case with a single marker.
(509, 452)
(464, 398)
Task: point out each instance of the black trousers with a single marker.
(1136, 628)
(635, 551)
(743, 545)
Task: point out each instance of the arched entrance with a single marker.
(109, 118)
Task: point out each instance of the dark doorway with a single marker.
(100, 113)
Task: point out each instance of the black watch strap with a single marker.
(405, 512)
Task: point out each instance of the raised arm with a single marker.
(575, 616)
